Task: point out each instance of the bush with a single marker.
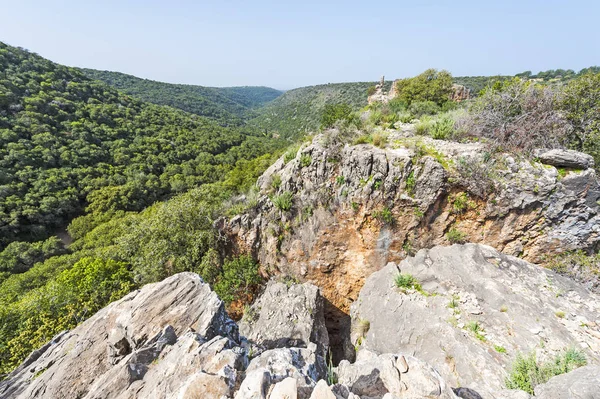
(519, 116)
(421, 108)
(526, 372)
(580, 105)
(432, 85)
(333, 113)
(379, 139)
(407, 281)
(385, 215)
(442, 129)
(284, 201)
(276, 181)
(455, 236)
(240, 276)
(305, 160)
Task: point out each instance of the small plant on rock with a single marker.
(407, 281)
(385, 215)
(305, 160)
(284, 201)
(455, 236)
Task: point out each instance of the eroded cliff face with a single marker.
(357, 207)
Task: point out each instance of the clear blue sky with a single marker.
(290, 44)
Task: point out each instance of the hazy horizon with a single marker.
(285, 46)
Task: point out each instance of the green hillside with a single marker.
(67, 142)
(228, 105)
(299, 111)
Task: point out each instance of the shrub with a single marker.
(284, 201)
(519, 116)
(432, 85)
(411, 182)
(407, 281)
(442, 129)
(579, 266)
(460, 202)
(305, 160)
(422, 128)
(397, 105)
(421, 108)
(580, 105)
(364, 139)
(335, 112)
(385, 215)
(476, 176)
(276, 181)
(290, 154)
(379, 140)
(455, 236)
(240, 275)
(526, 372)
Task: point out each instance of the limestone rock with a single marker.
(286, 389)
(375, 376)
(287, 316)
(322, 391)
(581, 383)
(480, 308)
(567, 159)
(122, 345)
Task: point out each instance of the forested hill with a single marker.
(228, 105)
(299, 111)
(67, 142)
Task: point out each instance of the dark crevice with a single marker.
(338, 325)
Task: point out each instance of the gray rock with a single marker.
(286, 389)
(322, 391)
(567, 159)
(120, 346)
(287, 316)
(375, 376)
(581, 383)
(498, 301)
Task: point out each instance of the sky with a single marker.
(285, 44)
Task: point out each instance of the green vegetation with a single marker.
(299, 111)
(430, 86)
(335, 112)
(455, 236)
(476, 329)
(407, 281)
(305, 160)
(228, 105)
(284, 201)
(69, 144)
(499, 349)
(384, 215)
(79, 153)
(526, 372)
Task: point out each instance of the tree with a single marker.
(431, 85)
(581, 106)
(333, 113)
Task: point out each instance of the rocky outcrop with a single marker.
(582, 383)
(566, 159)
(357, 207)
(287, 315)
(460, 93)
(476, 310)
(123, 349)
(173, 340)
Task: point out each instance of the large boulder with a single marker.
(132, 342)
(581, 383)
(566, 159)
(287, 315)
(476, 310)
(374, 376)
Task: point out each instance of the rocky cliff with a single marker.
(174, 340)
(354, 208)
